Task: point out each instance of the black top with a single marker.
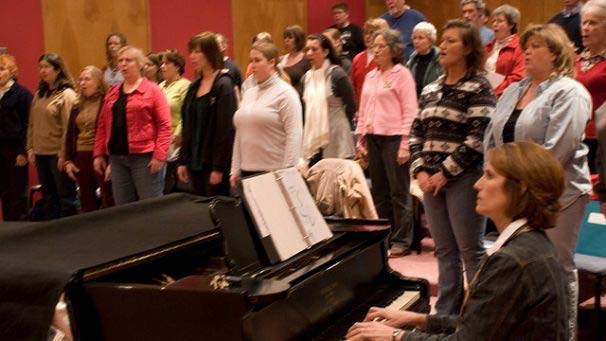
(199, 117)
(118, 141)
(216, 137)
(352, 39)
(422, 62)
(296, 72)
(234, 72)
(14, 115)
(572, 25)
(510, 127)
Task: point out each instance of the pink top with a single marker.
(388, 104)
(147, 118)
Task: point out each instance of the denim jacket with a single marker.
(556, 119)
(518, 293)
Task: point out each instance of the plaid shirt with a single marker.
(588, 61)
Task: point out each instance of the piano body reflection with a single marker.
(216, 284)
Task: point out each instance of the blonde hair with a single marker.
(375, 24)
(136, 52)
(97, 75)
(559, 45)
(270, 52)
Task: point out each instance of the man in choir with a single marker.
(352, 37)
(473, 13)
(403, 18)
(232, 68)
(570, 20)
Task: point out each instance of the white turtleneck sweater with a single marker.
(269, 127)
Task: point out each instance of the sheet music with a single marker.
(284, 210)
(313, 226)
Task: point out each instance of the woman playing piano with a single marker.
(519, 290)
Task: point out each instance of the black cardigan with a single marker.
(218, 139)
(14, 116)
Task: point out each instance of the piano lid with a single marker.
(37, 260)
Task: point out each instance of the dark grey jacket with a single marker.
(519, 293)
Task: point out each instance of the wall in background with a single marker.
(171, 28)
(253, 16)
(77, 29)
(22, 35)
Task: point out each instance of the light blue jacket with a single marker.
(556, 119)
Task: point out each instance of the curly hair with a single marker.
(393, 39)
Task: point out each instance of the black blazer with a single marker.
(14, 116)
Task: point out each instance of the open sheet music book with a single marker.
(284, 213)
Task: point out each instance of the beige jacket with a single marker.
(340, 189)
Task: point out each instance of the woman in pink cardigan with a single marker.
(388, 106)
(134, 132)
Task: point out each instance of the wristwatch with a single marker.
(395, 335)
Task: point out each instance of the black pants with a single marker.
(13, 184)
(58, 189)
(201, 185)
(390, 187)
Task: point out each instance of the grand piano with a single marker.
(187, 268)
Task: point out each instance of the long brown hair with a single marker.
(470, 36)
(64, 79)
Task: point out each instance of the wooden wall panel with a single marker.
(253, 16)
(439, 12)
(76, 29)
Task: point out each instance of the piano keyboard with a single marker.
(389, 296)
(404, 301)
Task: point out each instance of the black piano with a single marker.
(214, 282)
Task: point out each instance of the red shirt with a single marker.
(510, 63)
(147, 118)
(594, 79)
(359, 69)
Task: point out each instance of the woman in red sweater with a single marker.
(364, 62)
(504, 54)
(591, 66)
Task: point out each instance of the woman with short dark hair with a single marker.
(294, 62)
(15, 102)
(48, 122)
(207, 112)
(329, 104)
(113, 43)
(446, 158)
(519, 291)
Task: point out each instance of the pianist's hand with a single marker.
(396, 318)
(371, 331)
